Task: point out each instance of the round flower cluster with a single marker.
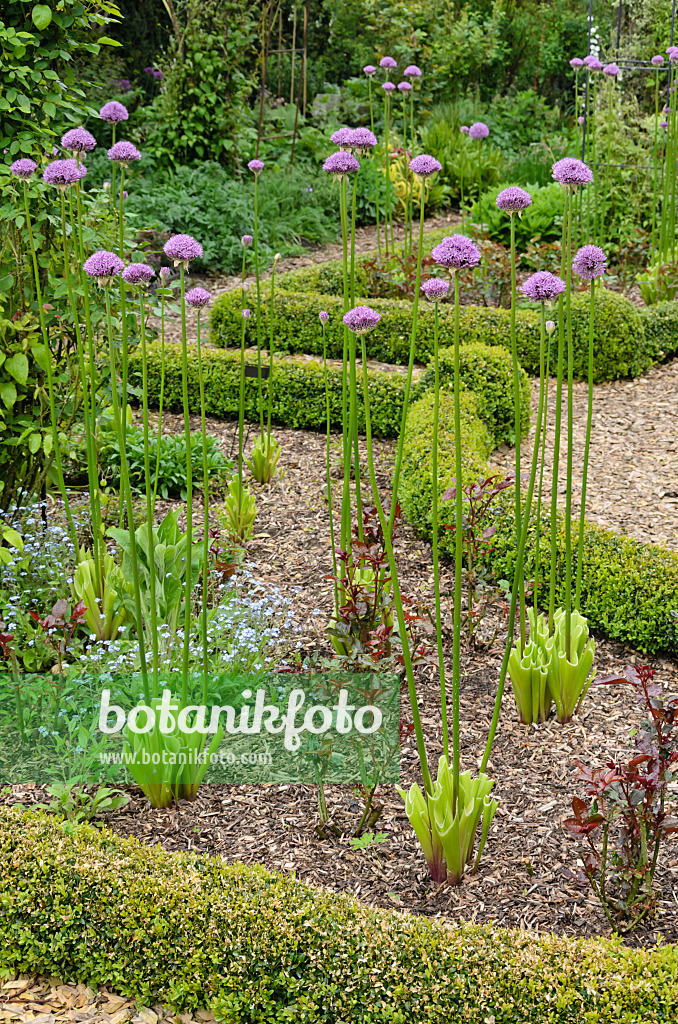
(513, 199)
(361, 319)
(543, 286)
(404, 86)
(137, 273)
(570, 172)
(595, 65)
(412, 71)
(63, 173)
(182, 248)
(611, 69)
(323, 316)
(362, 140)
(246, 314)
(23, 168)
(165, 272)
(387, 62)
(197, 297)
(457, 252)
(78, 140)
(388, 87)
(340, 164)
(425, 165)
(576, 62)
(114, 112)
(103, 266)
(256, 167)
(369, 70)
(340, 138)
(124, 153)
(657, 60)
(465, 129)
(589, 262)
(435, 289)
(246, 240)
(478, 131)
(550, 326)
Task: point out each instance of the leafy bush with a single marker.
(188, 930)
(660, 323)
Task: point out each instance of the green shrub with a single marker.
(660, 322)
(487, 371)
(189, 931)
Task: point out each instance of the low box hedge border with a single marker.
(189, 931)
(629, 588)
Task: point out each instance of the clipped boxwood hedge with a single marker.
(621, 349)
(189, 931)
(628, 587)
(661, 329)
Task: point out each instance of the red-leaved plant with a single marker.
(626, 817)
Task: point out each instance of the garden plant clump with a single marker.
(221, 521)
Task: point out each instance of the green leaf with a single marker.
(34, 442)
(13, 538)
(41, 16)
(17, 367)
(39, 353)
(8, 394)
(48, 444)
(49, 109)
(107, 41)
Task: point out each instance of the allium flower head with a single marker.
(361, 319)
(256, 167)
(388, 87)
(340, 164)
(425, 165)
(478, 131)
(246, 241)
(63, 173)
(589, 59)
(595, 65)
(589, 262)
(78, 140)
(23, 168)
(369, 70)
(672, 52)
(404, 86)
(323, 316)
(663, 124)
(197, 297)
(550, 326)
(513, 199)
(657, 60)
(576, 62)
(456, 252)
(246, 314)
(157, 75)
(611, 69)
(137, 273)
(387, 62)
(340, 138)
(124, 153)
(543, 286)
(666, 110)
(103, 266)
(149, 71)
(165, 272)
(581, 119)
(435, 288)
(362, 140)
(182, 248)
(465, 129)
(114, 112)
(412, 71)
(570, 172)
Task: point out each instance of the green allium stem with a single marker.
(345, 535)
(162, 398)
(543, 407)
(654, 173)
(329, 474)
(587, 445)
(189, 493)
(570, 425)
(258, 279)
(434, 529)
(149, 495)
(206, 528)
(241, 407)
(375, 166)
(271, 318)
(558, 424)
(458, 554)
(516, 421)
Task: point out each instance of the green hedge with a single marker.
(621, 349)
(661, 329)
(628, 588)
(189, 931)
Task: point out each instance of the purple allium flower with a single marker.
(340, 138)
(595, 65)
(63, 173)
(256, 167)
(123, 84)
(576, 62)
(589, 262)
(23, 168)
(369, 70)
(246, 314)
(672, 51)
(114, 112)
(78, 140)
(104, 266)
(404, 86)
(657, 60)
(588, 60)
(570, 172)
(387, 62)
(165, 272)
(361, 319)
(611, 69)
(465, 129)
(340, 164)
(543, 286)
(149, 71)
(246, 241)
(124, 153)
(478, 131)
(362, 140)
(663, 124)
(388, 87)
(550, 326)
(182, 248)
(157, 75)
(425, 165)
(581, 119)
(197, 297)
(412, 71)
(125, 193)
(457, 252)
(137, 273)
(323, 316)
(435, 288)
(513, 199)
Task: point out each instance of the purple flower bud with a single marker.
(412, 71)
(457, 252)
(165, 272)
(124, 153)
(340, 138)
(435, 289)
(23, 168)
(256, 167)
(361, 319)
(63, 173)
(114, 112)
(369, 70)
(658, 60)
(197, 297)
(581, 120)
(478, 131)
(137, 273)
(388, 87)
(663, 124)
(246, 241)
(246, 314)
(666, 110)
(589, 59)
(103, 266)
(576, 62)
(157, 75)
(125, 193)
(543, 286)
(589, 262)
(465, 129)
(550, 326)
(182, 248)
(425, 165)
(340, 164)
(595, 65)
(323, 316)
(387, 62)
(149, 71)
(362, 140)
(570, 172)
(78, 140)
(404, 86)
(513, 199)
(612, 70)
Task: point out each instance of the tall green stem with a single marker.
(329, 474)
(206, 528)
(543, 412)
(346, 423)
(558, 422)
(434, 529)
(149, 494)
(241, 407)
(387, 157)
(162, 399)
(271, 321)
(516, 421)
(587, 444)
(258, 279)
(352, 372)
(570, 427)
(654, 173)
(458, 551)
(375, 165)
(189, 493)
